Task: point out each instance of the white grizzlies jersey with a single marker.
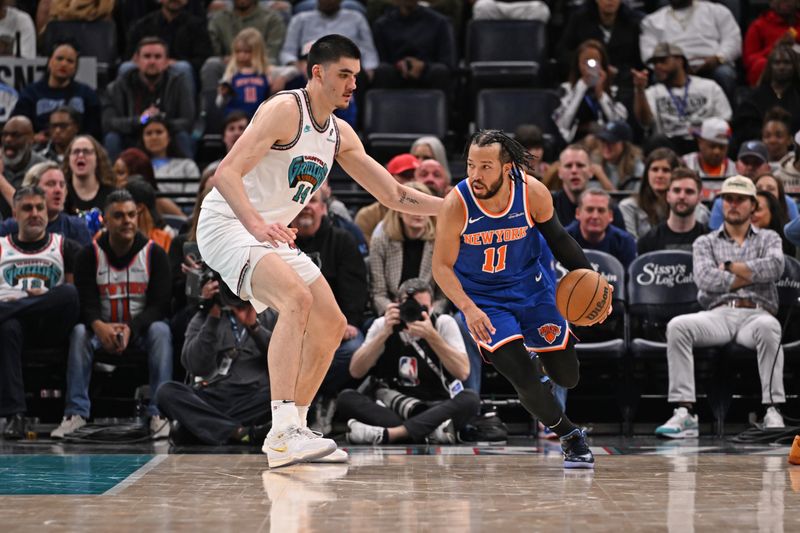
(284, 180)
(21, 271)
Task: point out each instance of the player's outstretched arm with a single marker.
(377, 180)
(561, 243)
(445, 253)
(275, 121)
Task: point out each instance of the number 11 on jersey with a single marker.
(489, 264)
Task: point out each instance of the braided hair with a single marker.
(510, 151)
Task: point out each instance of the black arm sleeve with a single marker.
(563, 246)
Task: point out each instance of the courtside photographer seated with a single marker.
(415, 362)
(227, 400)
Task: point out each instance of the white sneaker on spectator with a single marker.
(295, 445)
(360, 433)
(444, 434)
(773, 419)
(159, 427)
(67, 426)
(682, 425)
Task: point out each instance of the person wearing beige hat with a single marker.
(710, 159)
(678, 102)
(735, 269)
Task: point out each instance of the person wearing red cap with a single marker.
(402, 167)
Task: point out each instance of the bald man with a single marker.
(18, 157)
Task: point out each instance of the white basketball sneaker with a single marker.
(294, 445)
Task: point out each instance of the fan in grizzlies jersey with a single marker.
(271, 172)
(486, 260)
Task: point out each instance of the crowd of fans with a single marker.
(660, 103)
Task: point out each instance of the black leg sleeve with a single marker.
(460, 410)
(562, 366)
(515, 363)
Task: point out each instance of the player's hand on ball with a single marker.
(479, 324)
(610, 307)
(275, 233)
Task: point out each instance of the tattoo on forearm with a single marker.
(406, 199)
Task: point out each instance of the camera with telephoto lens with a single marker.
(410, 311)
(196, 278)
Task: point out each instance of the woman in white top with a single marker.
(168, 161)
(587, 98)
(649, 207)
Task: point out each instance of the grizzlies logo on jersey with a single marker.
(306, 169)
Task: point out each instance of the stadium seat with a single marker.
(394, 119)
(505, 53)
(505, 109)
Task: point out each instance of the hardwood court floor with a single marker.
(655, 487)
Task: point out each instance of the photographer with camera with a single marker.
(588, 98)
(223, 352)
(417, 361)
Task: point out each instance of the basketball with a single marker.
(583, 297)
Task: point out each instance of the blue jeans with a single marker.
(157, 343)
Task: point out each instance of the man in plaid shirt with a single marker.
(735, 269)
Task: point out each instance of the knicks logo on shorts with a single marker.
(550, 332)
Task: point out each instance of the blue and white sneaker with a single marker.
(682, 425)
(576, 452)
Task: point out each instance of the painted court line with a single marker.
(134, 477)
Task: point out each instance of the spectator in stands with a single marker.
(532, 139)
(779, 86)
(776, 134)
(8, 99)
(402, 167)
(59, 88)
(769, 183)
(88, 11)
(672, 115)
(587, 97)
(185, 36)
(17, 33)
(232, 128)
(611, 22)
(789, 166)
(89, 176)
(777, 25)
(308, 26)
(430, 147)
(123, 282)
(710, 160)
(417, 363)
(574, 171)
(403, 250)
(707, 33)
(791, 231)
(148, 220)
(38, 303)
(224, 25)
(133, 162)
(514, 10)
(224, 354)
(432, 174)
(337, 254)
(49, 177)
(416, 48)
(735, 269)
(769, 215)
(592, 227)
(18, 158)
(620, 158)
(247, 80)
(168, 160)
(148, 90)
(341, 218)
(753, 159)
(63, 127)
(649, 206)
(681, 228)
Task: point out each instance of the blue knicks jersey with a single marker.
(499, 252)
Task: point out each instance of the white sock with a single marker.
(302, 412)
(284, 414)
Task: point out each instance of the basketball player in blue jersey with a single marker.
(269, 175)
(486, 260)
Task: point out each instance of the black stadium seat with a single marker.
(503, 53)
(505, 109)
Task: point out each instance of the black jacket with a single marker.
(187, 36)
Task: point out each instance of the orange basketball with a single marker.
(583, 297)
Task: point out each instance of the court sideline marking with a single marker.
(136, 475)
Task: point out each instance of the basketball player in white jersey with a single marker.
(271, 172)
